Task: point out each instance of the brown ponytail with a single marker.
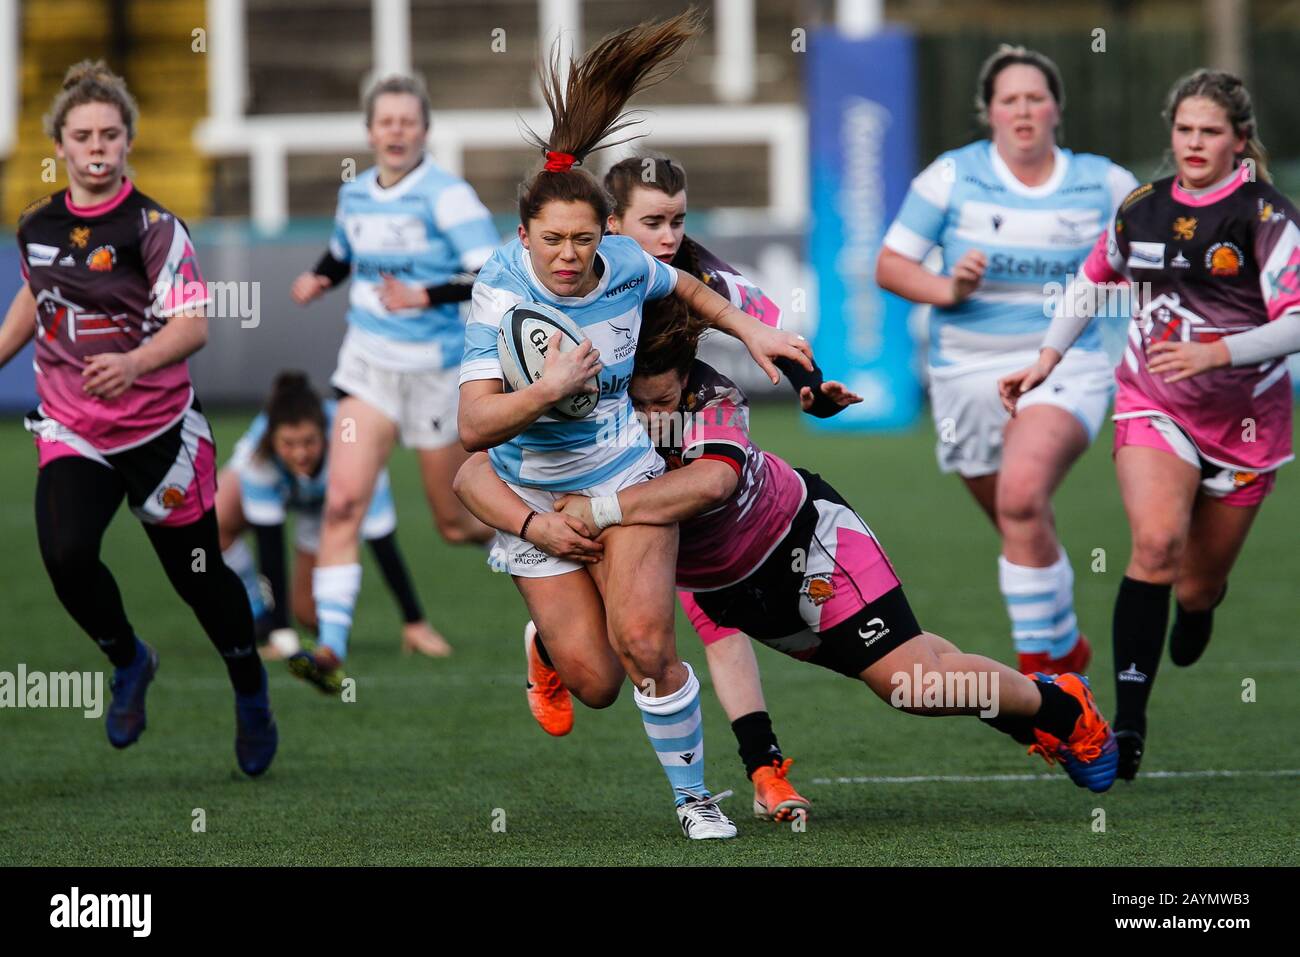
(292, 400)
(588, 108)
(1231, 94)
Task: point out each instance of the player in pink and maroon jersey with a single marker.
(649, 204)
(776, 553)
(113, 294)
(1203, 415)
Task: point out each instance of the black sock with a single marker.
(1191, 632)
(758, 747)
(1141, 617)
(541, 650)
(1017, 726)
(1059, 712)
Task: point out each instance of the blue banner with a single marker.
(862, 153)
(17, 379)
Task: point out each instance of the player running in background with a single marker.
(1203, 417)
(616, 620)
(113, 294)
(281, 465)
(1012, 214)
(776, 553)
(414, 235)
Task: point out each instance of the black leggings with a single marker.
(75, 501)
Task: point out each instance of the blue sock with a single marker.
(240, 561)
(335, 589)
(675, 728)
(1040, 604)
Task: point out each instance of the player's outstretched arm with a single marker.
(764, 343)
(495, 504)
(672, 497)
(19, 325)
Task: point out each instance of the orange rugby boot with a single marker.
(775, 798)
(1091, 755)
(548, 699)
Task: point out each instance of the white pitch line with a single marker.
(986, 778)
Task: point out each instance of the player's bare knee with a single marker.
(346, 508)
(651, 655)
(1157, 552)
(596, 694)
(1021, 499)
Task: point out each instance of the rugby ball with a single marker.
(522, 339)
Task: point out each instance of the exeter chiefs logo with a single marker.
(103, 259)
(171, 496)
(819, 589)
(1224, 259)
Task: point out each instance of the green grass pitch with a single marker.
(433, 754)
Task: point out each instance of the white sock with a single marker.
(1040, 604)
(675, 728)
(335, 589)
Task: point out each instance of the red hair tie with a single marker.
(559, 162)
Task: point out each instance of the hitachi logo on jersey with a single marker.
(1006, 264)
(1146, 255)
(624, 287)
(39, 254)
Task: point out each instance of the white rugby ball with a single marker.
(522, 340)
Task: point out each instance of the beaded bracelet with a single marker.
(523, 532)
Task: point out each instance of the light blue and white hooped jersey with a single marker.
(269, 490)
(561, 454)
(1032, 235)
(422, 230)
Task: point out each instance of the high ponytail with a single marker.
(587, 108)
(292, 400)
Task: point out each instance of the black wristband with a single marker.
(798, 377)
(457, 289)
(334, 270)
(523, 532)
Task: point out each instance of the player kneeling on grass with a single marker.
(281, 465)
(776, 553)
